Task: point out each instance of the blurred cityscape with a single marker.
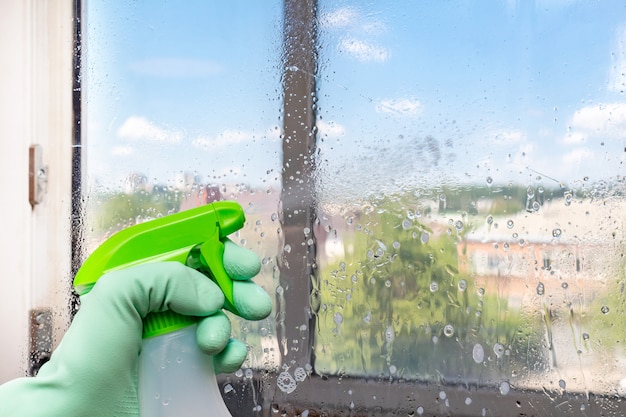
(551, 261)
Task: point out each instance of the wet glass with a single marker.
(435, 189)
(471, 194)
(181, 107)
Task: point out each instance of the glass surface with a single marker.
(182, 107)
(471, 193)
(468, 199)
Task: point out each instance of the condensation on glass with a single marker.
(439, 187)
(182, 107)
(471, 196)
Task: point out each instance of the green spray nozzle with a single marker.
(193, 237)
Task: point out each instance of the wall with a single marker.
(35, 108)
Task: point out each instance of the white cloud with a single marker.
(363, 51)
(140, 128)
(122, 151)
(175, 67)
(330, 129)
(577, 156)
(340, 18)
(401, 106)
(617, 73)
(606, 120)
(353, 21)
(231, 137)
(226, 138)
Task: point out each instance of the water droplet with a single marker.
(468, 401)
(424, 238)
(462, 285)
(287, 248)
(274, 217)
(562, 384)
(489, 180)
(541, 289)
(505, 387)
(478, 353)
(585, 336)
(442, 395)
(165, 402)
(498, 349)
(420, 410)
(228, 388)
(564, 285)
(354, 278)
(406, 224)
(489, 219)
(448, 330)
(556, 232)
(530, 192)
(510, 224)
(434, 287)
(605, 309)
(367, 318)
(388, 284)
(389, 334)
(338, 318)
(458, 225)
(286, 383)
(568, 198)
(536, 206)
(393, 369)
(442, 197)
(396, 245)
(299, 374)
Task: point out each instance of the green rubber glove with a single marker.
(93, 372)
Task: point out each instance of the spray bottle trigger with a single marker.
(212, 257)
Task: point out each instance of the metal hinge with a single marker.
(40, 339)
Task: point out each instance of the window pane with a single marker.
(183, 107)
(470, 183)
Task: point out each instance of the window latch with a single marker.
(37, 175)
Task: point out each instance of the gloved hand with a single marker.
(93, 372)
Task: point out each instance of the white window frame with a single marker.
(35, 109)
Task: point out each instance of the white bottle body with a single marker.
(176, 379)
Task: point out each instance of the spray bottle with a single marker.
(175, 378)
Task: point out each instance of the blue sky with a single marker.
(505, 89)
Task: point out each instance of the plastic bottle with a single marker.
(176, 379)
